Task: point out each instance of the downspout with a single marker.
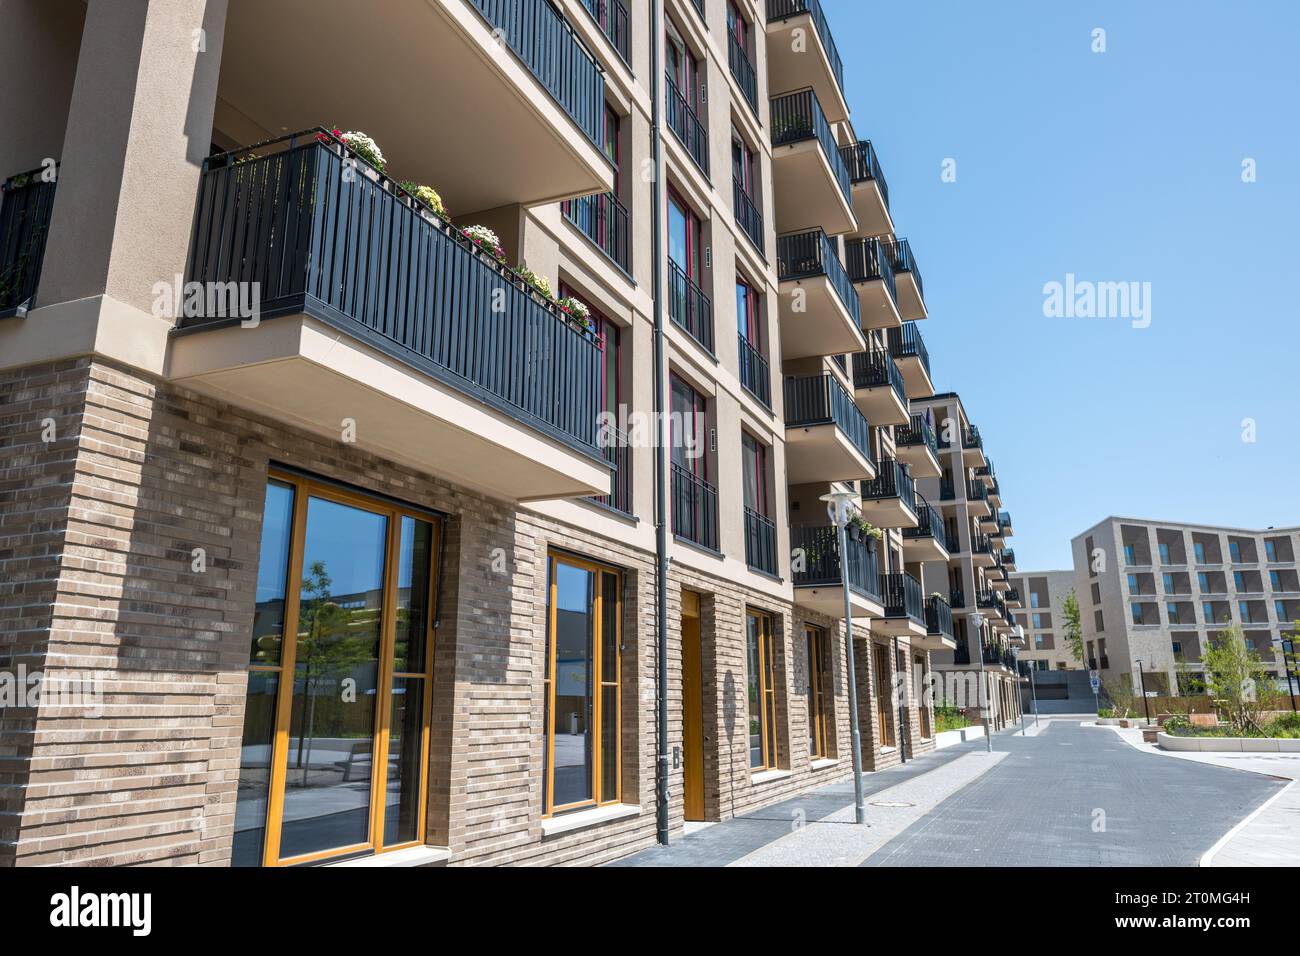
(661, 446)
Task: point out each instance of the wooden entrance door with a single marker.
(692, 709)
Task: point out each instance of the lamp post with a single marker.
(1015, 656)
(839, 507)
(1142, 686)
(976, 623)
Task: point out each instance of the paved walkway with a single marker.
(1270, 836)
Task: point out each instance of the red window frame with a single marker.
(699, 410)
(749, 324)
(693, 266)
(760, 473)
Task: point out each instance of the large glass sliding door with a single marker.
(336, 725)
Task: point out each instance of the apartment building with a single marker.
(966, 491)
(1159, 591)
(1043, 596)
(429, 451)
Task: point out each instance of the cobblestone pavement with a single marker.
(1080, 796)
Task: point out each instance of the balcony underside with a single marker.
(870, 209)
(899, 627)
(298, 370)
(882, 406)
(973, 456)
(933, 642)
(910, 304)
(922, 462)
(451, 107)
(888, 513)
(915, 376)
(998, 584)
(823, 327)
(820, 453)
(927, 548)
(982, 559)
(877, 305)
(806, 192)
(796, 61)
(829, 600)
(978, 508)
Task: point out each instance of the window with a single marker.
(1038, 621)
(743, 167)
(1207, 612)
(761, 679)
(581, 686)
(1098, 621)
(1034, 599)
(1038, 641)
(1198, 548)
(1279, 608)
(1203, 580)
(683, 69)
(748, 314)
(1270, 549)
(1169, 583)
(818, 681)
(352, 580)
(923, 707)
(1250, 643)
(689, 424)
(1239, 580)
(1133, 586)
(685, 245)
(1172, 610)
(1096, 592)
(1178, 647)
(1130, 555)
(880, 660)
(1243, 608)
(1275, 580)
(1164, 553)
(754, 464)
(1234, 550)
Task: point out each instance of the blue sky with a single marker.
(1116, 166)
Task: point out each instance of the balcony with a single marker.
(611, 16)
(977, 499)
(604, 220)
(972, 448)
(374, 310)
(999, 656)
(695, 509)
(916, 446)
(807, 58)
(819, 311)
(519, 112)
(981, 550)
(810, 181)
(686, 126)
(995, 493)
(755, 375)
(26, 201)
(827, 438)
(957, 598)
(911, 303)
(889, 499)
(870, 193)
(873, 278)
(815, 568)
(927, 541)
(939, 632)
(1009, 558)
(908, 350)
(760, 542)
(902, 605)
(741, 63)
(1013, 598)
(1004, 522)
(689, 308)
(990, 602)
(748, 216)
(878, 388)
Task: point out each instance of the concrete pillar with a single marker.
(139, 126)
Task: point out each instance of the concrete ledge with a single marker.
(1270, 745)
(769, 776)
(949, 738)
(588, 818)
(824, 764)
(412, 856)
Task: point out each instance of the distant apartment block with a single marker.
(1159, 591)
(1043, 618)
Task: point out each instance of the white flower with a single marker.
(483, 236)
(366, 147)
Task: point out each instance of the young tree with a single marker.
(1237, 680)
(1073, 629)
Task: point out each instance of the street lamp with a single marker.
(840, 507)
(976, 622)
(1142, 686)
(1015, 655)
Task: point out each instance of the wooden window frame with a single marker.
(880, 663)
(816, 641)
(766, 687)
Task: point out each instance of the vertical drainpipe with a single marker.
(661, 446)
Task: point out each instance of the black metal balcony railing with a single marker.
(867, 262)
(938, 617)
(991, 601)
(901, 258)
(952, 540)
(975, 490)
(822, 400)
(947, 491)
(957, 597)
(604, 220)
(929, 522)
(796, 117)
(917, 431)
(970, 437)
(357, 253)
(1009, 556)
(695, 508)
(760, 542)
(901, 596)
(689, 307)
(742, 69)
(748, 216)
(619, 456)
(876, 369)
(1012, 596)
(611, 17)
(892, 481)
(994, 654)
(686, 126)
(755, 374)
(546, 43)
(803, 255)
(864, 166)
(784, 9)
(26, 201)
(816, 561)
(980, 544)
(906, 342)
(961, 655)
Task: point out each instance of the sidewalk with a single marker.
(1268, 837)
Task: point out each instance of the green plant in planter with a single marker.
(485, 239)
(538, 282)
(860, 529)
(425, 194)
(577, 311)
(365, 147)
